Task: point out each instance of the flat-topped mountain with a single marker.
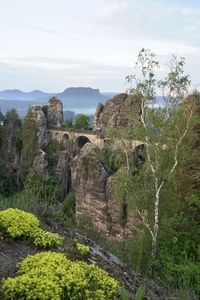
(80, 91)
(78, 99)
(16, 94)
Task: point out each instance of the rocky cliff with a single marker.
(94, 183)
(120, 111)
(10, 141)
(54, 112)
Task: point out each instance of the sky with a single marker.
(51, 45)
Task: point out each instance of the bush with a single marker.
(45, 239)
(82, 249)
(50, 275)
(43, 187)
(15, 224)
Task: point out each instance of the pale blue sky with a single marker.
(51, 45)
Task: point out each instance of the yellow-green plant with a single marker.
(50, 275)
(83, 249)
(46, 239)
(18, 224)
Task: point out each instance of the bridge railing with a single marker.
(79, 131)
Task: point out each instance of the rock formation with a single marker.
(40, 163)
(120, 111)
(9, 147)
(37, 115)
(62, 172)
(54, 112)
(89, 179)
(94, 193)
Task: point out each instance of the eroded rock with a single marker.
(89, 179)
(40, 163)
(120, 111)
(54, 112)
(62, 172)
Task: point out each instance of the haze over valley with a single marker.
(78, 99)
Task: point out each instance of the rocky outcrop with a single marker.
(54, 112)
(40, 163)
(10, 142)
(63, 172)
(120, 111)
(89, 179)
(37, 115)
(94, 192)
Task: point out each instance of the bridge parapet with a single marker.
(63, 135)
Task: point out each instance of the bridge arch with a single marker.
(65, 137)
(81, 141)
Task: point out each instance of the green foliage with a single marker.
(18, 224)
(123, 294)
(68, 205)
(49, 275)
(29, 137)
(82, 249)
(81, 122)
(8, 182)
(53, 150)
(113, 158)
(68, 124)
(43, 187)
(45, 239)
(177, 263)
(140, 293)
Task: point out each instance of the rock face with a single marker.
(9, 150)
(89, 179)
(40, 163)
(54, 112)
(120, 111)
(63, 172)
(37, 115)
(94, 193)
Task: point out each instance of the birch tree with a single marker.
(162, 130)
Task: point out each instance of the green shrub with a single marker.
(83, 249)
(45, 239)
(43, 187)
(49, 275)
(16, 223)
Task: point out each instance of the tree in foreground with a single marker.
(162, 129)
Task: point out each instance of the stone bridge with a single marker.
(79, 137)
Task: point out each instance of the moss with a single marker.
(50, 275)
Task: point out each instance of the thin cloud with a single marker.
(42, 29)
(114, 8)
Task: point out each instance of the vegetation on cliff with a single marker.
(157, 180)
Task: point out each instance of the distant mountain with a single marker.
(20, 95)
(72, 91)
(68, 115)
(80, 91)
(77, 99)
